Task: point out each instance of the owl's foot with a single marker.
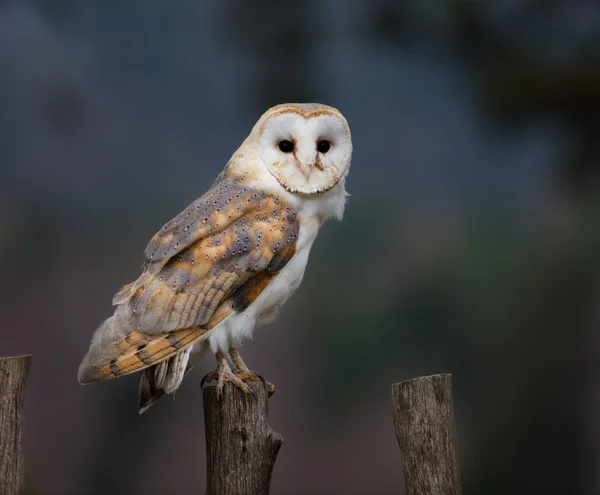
(222, 375)
(246, 374)
(252, 376)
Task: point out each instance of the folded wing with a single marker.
(214, 258)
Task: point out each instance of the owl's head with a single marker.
(306, 147)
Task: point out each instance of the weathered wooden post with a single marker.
(425, 431)
(241, 447)
(13, 382)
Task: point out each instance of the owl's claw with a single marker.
(209, 377)
(251, 376)
(240, 375)
(246, 374)
(222, 376)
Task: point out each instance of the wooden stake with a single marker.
(241, 447)
(13, 382)
(425, 431)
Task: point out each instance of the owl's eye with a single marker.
(323, 146)
(286, 146)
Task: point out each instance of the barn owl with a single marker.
(231, 259)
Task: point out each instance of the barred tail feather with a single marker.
(151, 386)
(149, 393)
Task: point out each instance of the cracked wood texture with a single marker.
(241, 447)
(425, 431)
(13, 382)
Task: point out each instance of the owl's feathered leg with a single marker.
(238, 362)
(224, 374)
(244, 373)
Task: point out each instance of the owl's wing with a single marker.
(213, 259)
(220, 207)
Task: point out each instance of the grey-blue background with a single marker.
(470, 243)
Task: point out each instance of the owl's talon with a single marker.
(268, 386)
(230, 378)
(248, 376)
(223, 376)
(209, 377)
(239, 376)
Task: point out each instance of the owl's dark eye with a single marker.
(323, 146)
(286, 146)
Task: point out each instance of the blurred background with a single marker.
(470, 243)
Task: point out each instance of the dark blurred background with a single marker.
(470, 243)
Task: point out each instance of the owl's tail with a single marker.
(165, 357)
(116, 350)
(134, 351)
(149, 393)
(166, 377)
(163, 378)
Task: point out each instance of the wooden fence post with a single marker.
(241, 447)
(425, 431)
(13, 382)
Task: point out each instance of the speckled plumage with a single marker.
(230, 259)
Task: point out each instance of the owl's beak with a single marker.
(306, 161)
(306, 169)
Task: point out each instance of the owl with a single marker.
(231, 259)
